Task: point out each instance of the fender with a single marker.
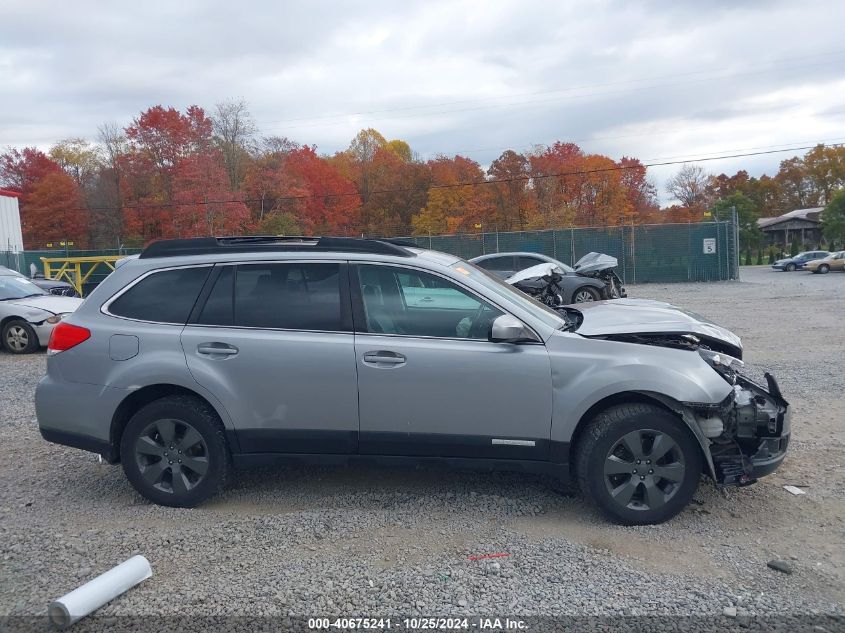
(585, 372)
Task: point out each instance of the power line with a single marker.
(524, 178)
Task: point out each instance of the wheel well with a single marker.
(11, 318)
(625, 397)
(134, 402)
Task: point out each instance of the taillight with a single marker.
(65, 336)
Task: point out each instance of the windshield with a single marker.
(497, 285)
(17, 288)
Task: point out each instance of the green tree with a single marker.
(833, 218)
(750, 235)
(280, 223)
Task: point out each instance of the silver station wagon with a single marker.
(209, 353)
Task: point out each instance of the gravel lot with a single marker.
(314, 541)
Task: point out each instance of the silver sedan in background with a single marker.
(28, 313)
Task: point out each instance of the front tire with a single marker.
(790, 268)
(824, 269)
(174, 452)
(584, 294)
(19, 337)
(638, 463)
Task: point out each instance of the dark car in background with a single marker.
(575, 286)
(53, 286)
(797, 263)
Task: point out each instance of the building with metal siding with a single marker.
(803, 224)
(11, 238)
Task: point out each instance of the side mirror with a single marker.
(509, 329)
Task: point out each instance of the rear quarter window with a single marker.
(162, 297)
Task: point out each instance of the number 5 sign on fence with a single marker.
(709, 245)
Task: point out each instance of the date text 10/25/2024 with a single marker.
(418, 624)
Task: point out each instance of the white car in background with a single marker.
(28, 313)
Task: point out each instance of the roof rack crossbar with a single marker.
(252, 243)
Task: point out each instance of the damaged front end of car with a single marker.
(749, 431)
(745, 436)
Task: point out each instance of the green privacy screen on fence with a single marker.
(702, 251)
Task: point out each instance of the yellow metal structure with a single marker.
(77, 270)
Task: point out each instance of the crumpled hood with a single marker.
(641, 316)
(54, 304)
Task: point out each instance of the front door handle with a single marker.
(216, 349)
(384, 358)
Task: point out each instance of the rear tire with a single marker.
(585, 293)
(174, 452)
(19, 338)
(638, 463)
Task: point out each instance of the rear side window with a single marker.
(295, 296)
(498, 264)
(525, 261)
(162, 297)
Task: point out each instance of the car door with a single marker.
(838, 262)
(273, 342)
(429, 380)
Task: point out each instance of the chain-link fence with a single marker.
(701, 251)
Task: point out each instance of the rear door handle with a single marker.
(216, 349)
(384, 358)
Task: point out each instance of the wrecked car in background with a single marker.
(28, 314)
(593, 277)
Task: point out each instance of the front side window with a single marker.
(415, 303)
(162, 297)
(289, 296)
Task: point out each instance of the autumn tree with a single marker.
(361, 154)
(107, 216)
(324, 200)
(689, 187)
(556, 184)
(234, 131)
(639, 191)
(50, 203)
(796, 190)
(21, 170)
(825, 169)
(158, 141)
(52, 212)
(452, 205)
(511, 194)
(79, 158)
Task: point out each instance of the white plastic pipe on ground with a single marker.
(94, 594)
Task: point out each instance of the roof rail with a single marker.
(253, 243)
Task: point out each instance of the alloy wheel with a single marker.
(17, 338)
(644, 469)
(582, 296)
(172, 456)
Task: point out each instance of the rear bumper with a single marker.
(77, 414)
(83, 442)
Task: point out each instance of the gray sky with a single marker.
(654, 80)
